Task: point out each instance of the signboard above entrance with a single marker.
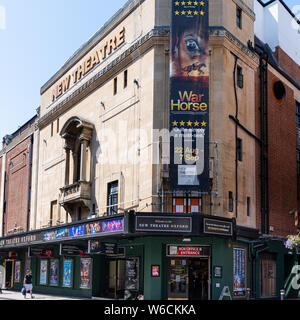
(188, 251)
(163, 224)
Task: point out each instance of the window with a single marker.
(298, 113)
(125, 78)
(239, 17)
(187, 205)
(115, 86)
(112, 198)
(279, 90)
(52, 129)
(230, 201)
(239, 149)
(54, 214)
(79, 212)
(57, 125)
(240, 77)
(248, 206)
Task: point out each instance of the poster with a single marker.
(189, 96)
(17, 271)
(54, 272)
(43, 272)
(68, 273)
(86, 273)
(155, 272)
(132, 275)
(239, 271)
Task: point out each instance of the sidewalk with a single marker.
(15, 295)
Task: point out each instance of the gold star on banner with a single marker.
(183, 3)
(202, 3)
(195, 13)
(176, 13)
(195, 3)
(183, 13)
(177, 3)
(196, 123)
(175, 123)
(189, 12)
(182, 123)
(202, 13)
(189, 3)
(189, 123)
(203, 124)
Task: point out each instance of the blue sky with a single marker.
(36, 38)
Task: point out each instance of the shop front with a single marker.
(193, 257)
(64, 260)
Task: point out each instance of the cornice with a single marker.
(153, 37)
(110, 25)
(223, 33)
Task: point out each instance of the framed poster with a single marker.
(239, 271)
(44, 272)
(155, 271)
(68, 273)
(132, 274)
(86, 265)
(17, 271)
(54, 272)
(218, 272)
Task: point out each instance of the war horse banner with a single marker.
(189, 96)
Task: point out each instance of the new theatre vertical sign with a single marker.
(189, 96)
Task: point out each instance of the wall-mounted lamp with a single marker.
(136, 83)
(102, 104)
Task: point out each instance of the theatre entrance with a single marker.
(189, 279)
(9, 271)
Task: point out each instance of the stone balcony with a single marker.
(78, 192)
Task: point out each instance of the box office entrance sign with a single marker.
(188, 251)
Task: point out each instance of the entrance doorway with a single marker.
(9, 271)
(268, 275)
(188, 279)
(115, 278)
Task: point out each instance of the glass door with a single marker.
(178, 279)
(116, 278)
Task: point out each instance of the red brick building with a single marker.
(16, 159)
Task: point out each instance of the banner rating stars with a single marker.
(195, 124)
(189, 8)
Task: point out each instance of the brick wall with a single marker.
(288, 64)
(282, 160)
(16, 193)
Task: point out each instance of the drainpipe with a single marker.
(263, 78)
(236, 134)
(29, 184)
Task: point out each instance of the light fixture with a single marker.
(135, 81)
(186, 240)
(102, 104)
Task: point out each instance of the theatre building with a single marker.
(119, 209)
